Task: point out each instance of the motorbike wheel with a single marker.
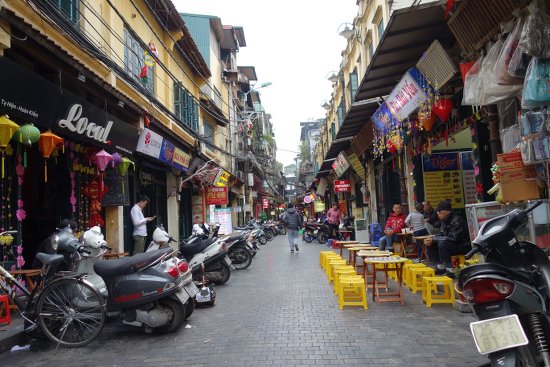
(322, 238)
(269, 234)
(308, 238)
(226, 273)
(262, 240)
(282, 230)
(179, 313)
(189, 307)
(240, 258)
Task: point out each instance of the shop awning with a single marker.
(357, 116)
(408, 35)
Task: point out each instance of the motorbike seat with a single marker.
(493, 269)
(48, 259)
(235, 236)
(129, 264)
(188, 250)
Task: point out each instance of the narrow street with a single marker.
(281, 312)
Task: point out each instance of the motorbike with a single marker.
(509, 293)
(281, 228)
(315, 231)
(152, 290)
(255, 230)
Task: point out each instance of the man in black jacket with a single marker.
(452, 239)
(293, 221)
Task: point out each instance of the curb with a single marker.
(11, 335)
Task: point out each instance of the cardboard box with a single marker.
(511, 160)
(519, 184)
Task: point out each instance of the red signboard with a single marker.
(342, 186)
(265, 203)
(216, 196)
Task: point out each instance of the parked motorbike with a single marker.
(254, 229)
(315, 231)
(509, 293)
(281, 228)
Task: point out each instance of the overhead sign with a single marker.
(181, 159)
(342, 186)
(222, 178)
(356, 164)
(341, 164)
(216, 196)
(149, 143)
(407, 94)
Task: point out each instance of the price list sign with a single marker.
(443, 179)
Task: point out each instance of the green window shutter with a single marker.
(353, 84)
(177, 101)
(195, 116)
(333, 130)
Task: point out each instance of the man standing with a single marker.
(452, 239)
(394, 225)
(333, 217)
(140, 224)
(293, 222)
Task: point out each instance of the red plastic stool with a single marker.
(4, 310)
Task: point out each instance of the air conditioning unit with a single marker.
(240, 175)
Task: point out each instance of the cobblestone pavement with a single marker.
(281, 312)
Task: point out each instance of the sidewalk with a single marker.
(12, 334)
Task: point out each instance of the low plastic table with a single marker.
(390, 263)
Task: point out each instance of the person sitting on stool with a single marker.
(453, 239)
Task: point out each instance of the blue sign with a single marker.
(383, 119)
(440, 162)
(167, 152)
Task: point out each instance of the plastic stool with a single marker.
(323, 255)
(332, 275)
(331, 263)
(352, 292)
(407, 271)
(4, 310)
(429, 290)
(344, 277)
(393, 274)
(327, 257)
(338, 271)
(416, 275)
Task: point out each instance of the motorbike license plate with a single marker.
(191, 289)
(497, 334)
(182, 296)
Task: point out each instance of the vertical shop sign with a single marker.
(223, 217)
(468, 177)
(265, 203)
(443, 179)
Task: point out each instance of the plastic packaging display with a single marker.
(501, 75)
(519, 63)
(527, 154)
(536, 90)
(510, 138)
(535, 36)
(491, 92)
(472, 85)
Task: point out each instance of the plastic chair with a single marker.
(4, 310)
(430, 293)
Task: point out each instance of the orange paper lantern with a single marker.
(427, 119)
(47, 143)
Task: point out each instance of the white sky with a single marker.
(292, 43)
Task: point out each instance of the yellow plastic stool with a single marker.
(332, 275)
(416, 275)
(328, 257)
(331, 263)
(323, 255)
(407, 271)
(345, 277)
(429, 290)
(352, 292)
(393, 274)
(340, 271)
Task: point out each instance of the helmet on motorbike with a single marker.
(160, 236)
(67, 241)
(94, 238)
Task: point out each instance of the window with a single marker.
(340, 113)
(208, 133)
(380, 29)
(371, 51)
(186, 108)
(134, 63)
(333, 131)
(353, 84)
(69, 9)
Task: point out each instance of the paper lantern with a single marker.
(7, 129)
(427, 120)
(47, 143)
(117, 159)
(443, 108)
(102, 159)
(28, 134)
(123, 168)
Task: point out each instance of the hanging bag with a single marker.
(491, 92)
(536, 90)
(472, 85)
(501, 75)
(535, 36)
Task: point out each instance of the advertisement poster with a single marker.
(468, 177)
(356, 164)
(216, 196)
(443, 179)
(341, 164)
(342, 186)
(197, 210)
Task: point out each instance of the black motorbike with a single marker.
(509, 293)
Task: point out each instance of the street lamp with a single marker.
(325, 104)
(332, 76)
(346, 30)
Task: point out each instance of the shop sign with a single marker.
(468, 177)
(383, 119)
(407, 95)
(181, 159)
(36, 100)
(319, 206)
(265, 203)
(222, 178)
(443, 179)
(223, 217)
(149, 143)
(216, 196)
(167, 152)
(340, 165)
(357, 166)
(342, 186)
(308, 199)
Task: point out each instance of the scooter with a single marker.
(509, 293)
(153, 290)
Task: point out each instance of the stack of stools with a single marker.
(4, 310)
(338, 271)
(351, 291)
(415, 278)
(407, 271)
(430, 292)
(325, 256)
(331, 264)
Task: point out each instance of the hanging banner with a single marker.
(341, 164)
(149, 143)
(407, 95)
(356, 165)
(443, 179)
(216, 196)
(342, 186)
(383, 119)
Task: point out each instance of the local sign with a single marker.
(342, 186)
(216, 196)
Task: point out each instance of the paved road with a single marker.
(281, 312)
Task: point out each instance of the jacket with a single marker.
(453, 229)
(395, 222)
(432, 218)
(293, 219)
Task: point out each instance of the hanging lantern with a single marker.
(28, 134)
(47, 143)
(7, 129)
(123, 168)
(102, 159)
(443, 108)
(427, 120)
(117, 159)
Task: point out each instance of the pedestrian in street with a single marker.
(333, 217)
(394, 225)
(430, 218)
(293, 221)
(415, 221)
(140, 224)
(453, 239)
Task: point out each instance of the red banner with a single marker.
(265, 203)
(342, 186)
(216, 196)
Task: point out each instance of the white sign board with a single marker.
(405, 97)
(149, 143)
(223, 217)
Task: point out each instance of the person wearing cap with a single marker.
(453, 239)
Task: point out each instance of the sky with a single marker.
(292, 44)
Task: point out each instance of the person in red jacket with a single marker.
(394, 225)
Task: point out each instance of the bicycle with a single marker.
(63, 306)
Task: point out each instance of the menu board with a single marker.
(443, 179)
(468, 177)
(223, 217)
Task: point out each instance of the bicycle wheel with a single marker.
(70, 312)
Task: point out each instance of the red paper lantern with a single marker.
(443, 108)
(427, 120)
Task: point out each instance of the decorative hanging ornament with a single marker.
(117, 159)
(28, 134)
(47, 142)
(102, 159)
(427, 120)
(123, 168)
(7, 129)
(443, 108)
